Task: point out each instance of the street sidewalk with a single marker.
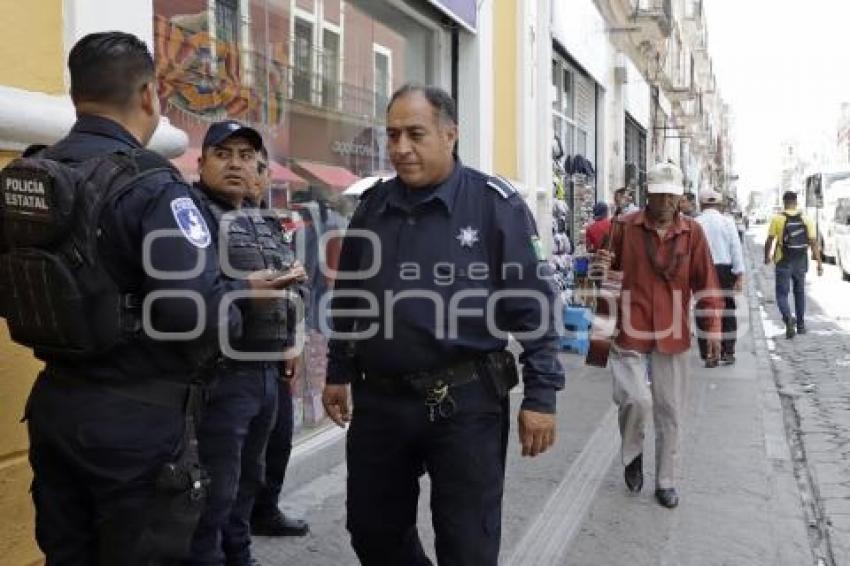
(740, 504)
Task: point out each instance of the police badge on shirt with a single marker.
(191, 222)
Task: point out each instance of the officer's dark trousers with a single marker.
(391, 443)
(95, 458)
(277, 455)
(729, 321)
(232, 438)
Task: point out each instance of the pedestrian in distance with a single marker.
(624, 202)
(428, 398)
(243, 399)
(665, 258)
(688, 205)
(112, 417)
(599, 228)
(794, 235)
(728, 257)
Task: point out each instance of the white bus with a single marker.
(823, 189)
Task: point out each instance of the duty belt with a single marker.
(433, 385)
(160, 392)
(421, 382)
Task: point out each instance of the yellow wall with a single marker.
(31, 58)
(32, 45)
(505, 69)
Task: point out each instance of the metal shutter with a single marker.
(586, 114)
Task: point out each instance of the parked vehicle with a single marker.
(823, 189)
(841, 235)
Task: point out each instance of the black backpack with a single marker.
(795, 236)
(55, 294)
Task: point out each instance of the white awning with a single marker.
(464, 12)
(28, 118)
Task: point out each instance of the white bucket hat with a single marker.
(664, 178)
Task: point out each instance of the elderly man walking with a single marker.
(664, 258)
(728, 258)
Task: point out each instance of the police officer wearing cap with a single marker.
(427, 255)
(266, 517)
(105, 429)
(242, 405)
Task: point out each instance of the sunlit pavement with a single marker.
(741, 502)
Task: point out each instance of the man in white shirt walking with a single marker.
(728, 258)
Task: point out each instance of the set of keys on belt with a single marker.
(439, 402)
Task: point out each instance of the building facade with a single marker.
(314, 76)
(613, 85)
(666, 42)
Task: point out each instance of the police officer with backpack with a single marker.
(794, 235)
(108, 273)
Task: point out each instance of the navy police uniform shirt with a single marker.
(159, 201)
(443, 262)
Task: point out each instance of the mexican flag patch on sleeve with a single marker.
(537, 247)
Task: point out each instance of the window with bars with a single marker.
(227, 20)
(303, 61)
(574, 109)
(330, 69)
(635, 153)
(383, 80)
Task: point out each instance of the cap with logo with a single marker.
(664, 178)
(218, 132)
(710, 196)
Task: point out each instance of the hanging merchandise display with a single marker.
(561, 259)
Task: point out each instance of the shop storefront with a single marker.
(574, 121)
(314, 76)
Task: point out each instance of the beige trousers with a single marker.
(665, 396)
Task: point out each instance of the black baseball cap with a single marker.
(220, 131)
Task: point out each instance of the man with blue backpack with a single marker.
(794, 234)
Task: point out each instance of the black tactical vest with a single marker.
(255, 242)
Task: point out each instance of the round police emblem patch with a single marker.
(191, 222)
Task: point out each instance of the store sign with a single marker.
(351, 148)
(464, 12)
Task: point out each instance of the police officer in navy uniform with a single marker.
(266, 517)
(242, 406)
(103, 430)
(428, 374)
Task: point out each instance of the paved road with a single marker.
(812, 374)
(742, 503)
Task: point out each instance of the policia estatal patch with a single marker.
(537, 248)
(26, 195)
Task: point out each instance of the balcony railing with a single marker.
(658, 11)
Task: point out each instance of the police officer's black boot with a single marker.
(274, 523)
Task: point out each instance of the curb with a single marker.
(313, 455)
